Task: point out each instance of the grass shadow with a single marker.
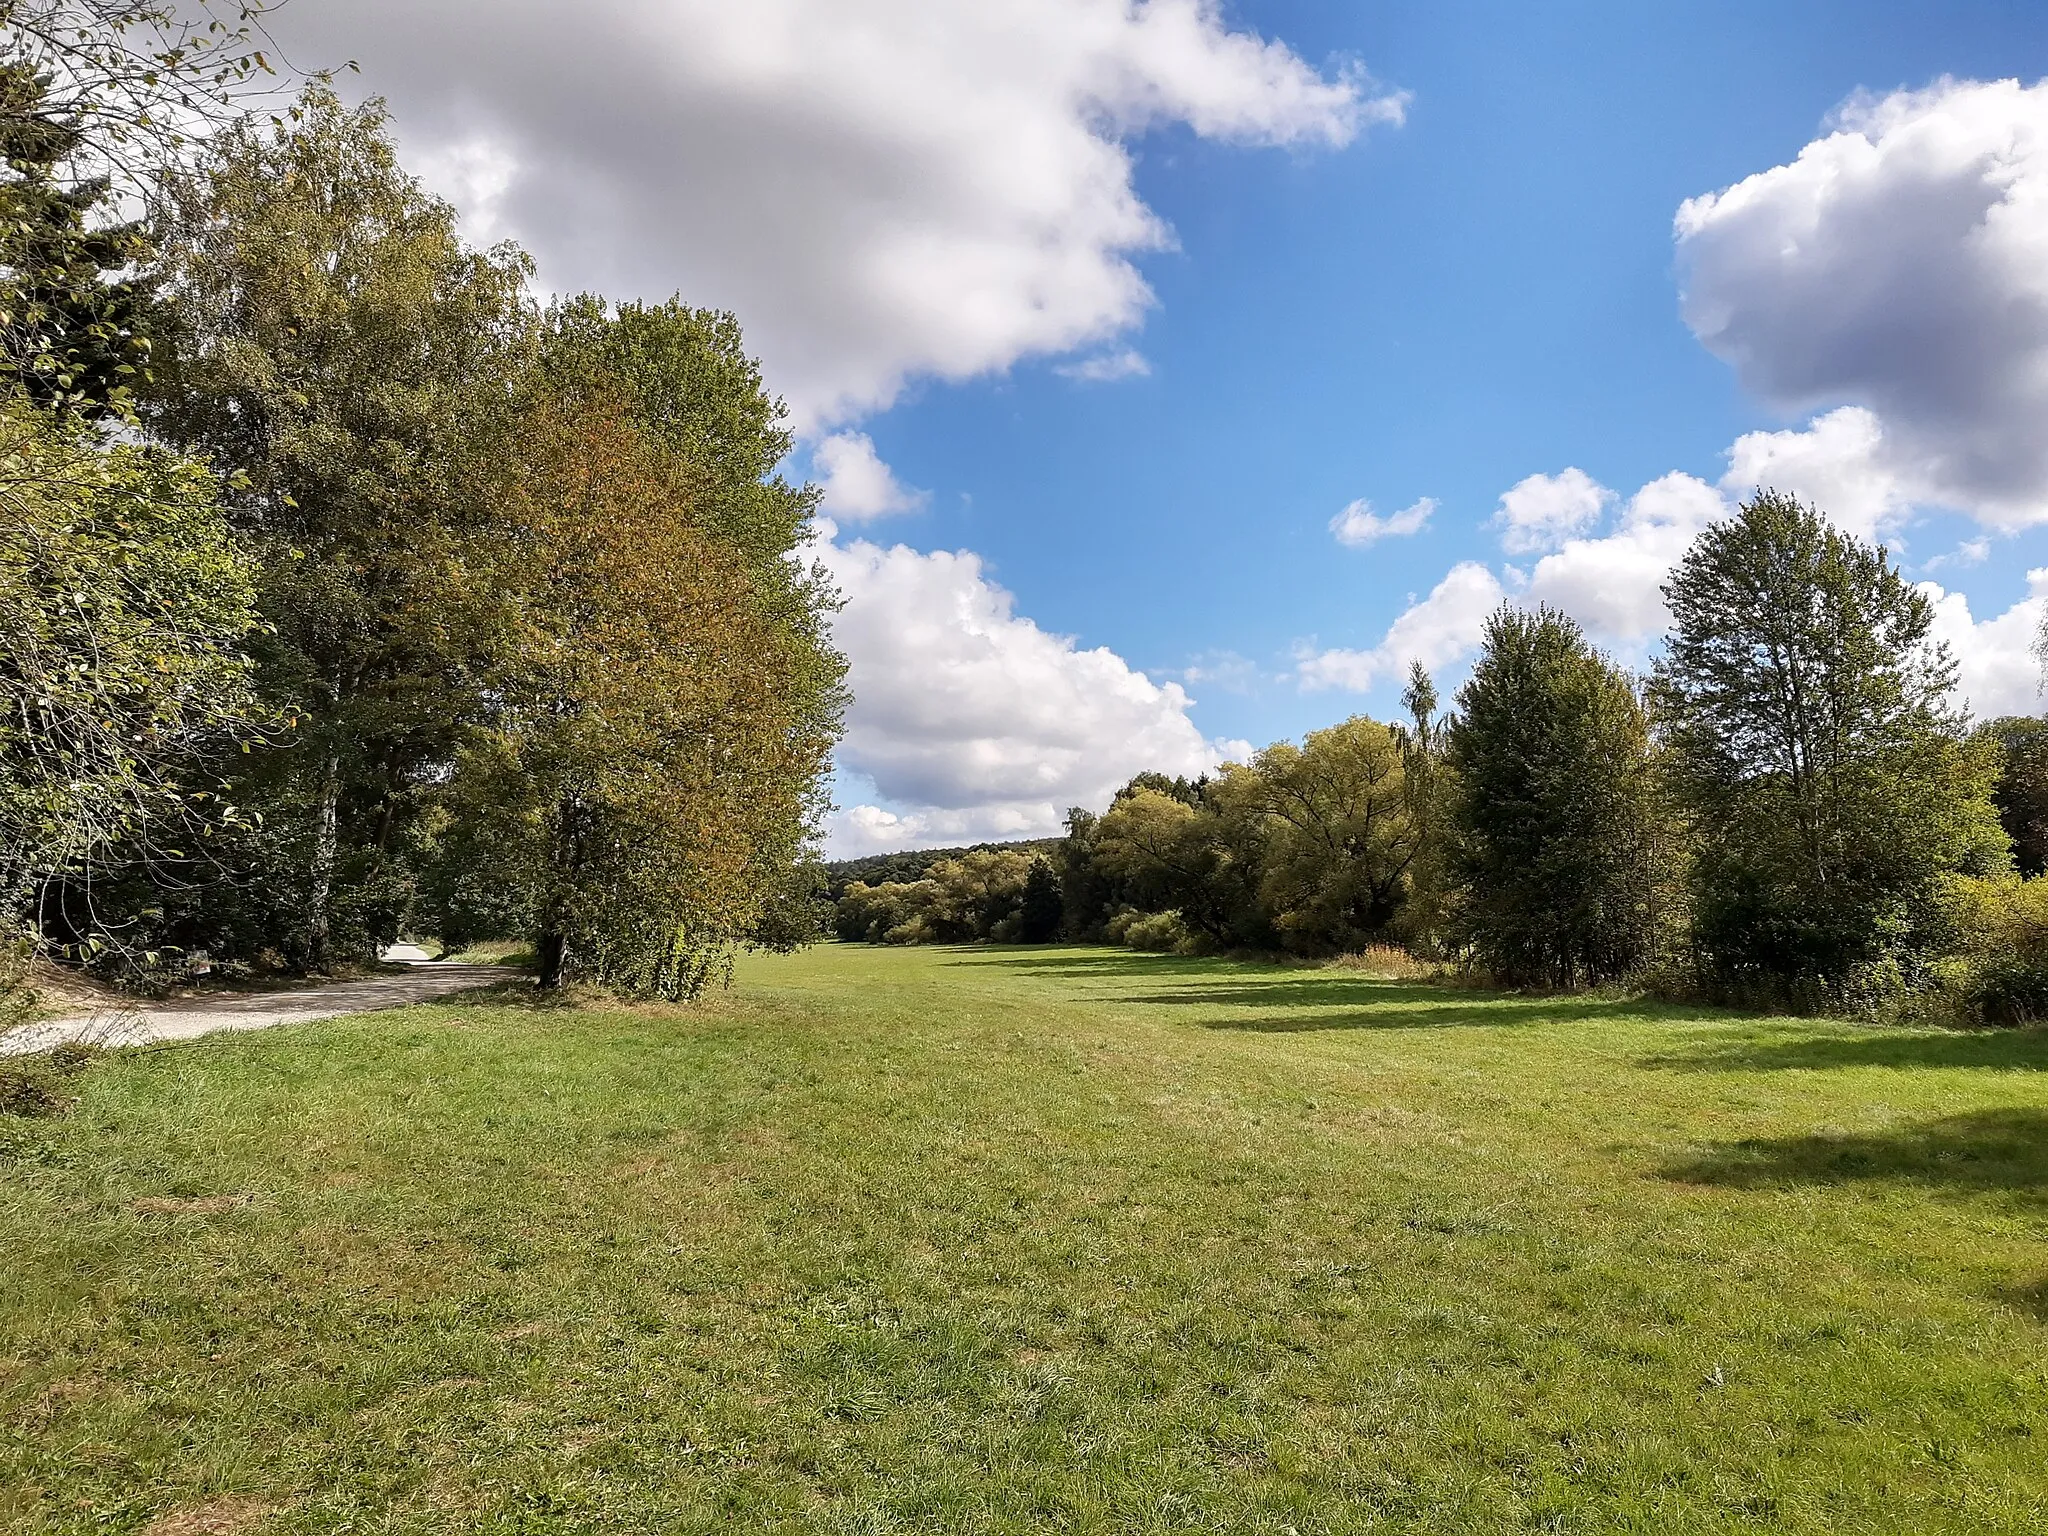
(2003, 1150)
(2008, 1050)
(1390, 1014)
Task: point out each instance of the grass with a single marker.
(507, 952)
(1019, 1241)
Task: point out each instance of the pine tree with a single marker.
(1038, 920)
(73, 314)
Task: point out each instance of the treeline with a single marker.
(345, 589)
(1788, 810)
(912, 865)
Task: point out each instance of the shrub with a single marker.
(1382, 962)
(1157, 932)
(1998, 973)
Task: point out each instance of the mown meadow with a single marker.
(1007, 1240)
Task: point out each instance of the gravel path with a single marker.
(188, 1017)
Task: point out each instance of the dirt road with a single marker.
(187, 1017)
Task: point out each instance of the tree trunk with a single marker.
(551, 946)
(552, 952)
(326, 839)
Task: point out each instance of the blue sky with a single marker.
(928, 218)
(1485, 293)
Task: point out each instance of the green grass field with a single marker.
(1046, 1240)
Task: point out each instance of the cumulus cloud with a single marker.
(1543, 511)
(970, 720)
(1358, 525)
(882, 189)
(1900, 263)
(1839, 463)
(1997, 670)
(1613, 585)
(1436, 631)
(856, 483)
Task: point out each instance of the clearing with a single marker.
(965, 1241)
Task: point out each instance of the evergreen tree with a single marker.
(72, 310)
(1038, 918)
(1814, 748)
(1557, 855)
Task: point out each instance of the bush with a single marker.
(1159, 933)
(1998, 973)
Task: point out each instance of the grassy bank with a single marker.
(978, 1241)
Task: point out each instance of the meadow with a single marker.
(978, 1240)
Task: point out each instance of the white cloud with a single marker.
(1612, 585)
(881, 189)
(1997, 670)
(1543, 511)
(970, 720)
(1358, 525)
(1838, 463)
(1900, 264)
(857, 484)
(1107, 367)
(1436, 631)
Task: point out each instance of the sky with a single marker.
(1176, 373)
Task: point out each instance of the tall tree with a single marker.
(1426, 783)
(684, 380)
(648, 773)
(1039, 915)
(1814, 745)
(341, 350)
(1559, 858)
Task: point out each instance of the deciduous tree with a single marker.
(1814, 746)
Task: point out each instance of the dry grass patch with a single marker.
(221, 1517)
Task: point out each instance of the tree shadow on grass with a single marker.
(2005, 1050)
(1275, 999)
(1993, 1149)
(2030, 1299)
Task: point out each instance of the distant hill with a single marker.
(903, 868)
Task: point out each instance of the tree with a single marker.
(1041, 910)
(646, 774)
(1088, 893)
(339, 349)
(1332, 827)
(2021, 790)
(1426, 784)
(1168, 855)
(125, 610)
(1559, 859)
(684, 381)
(1814, 750)
(135, 79)
(71, 321)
